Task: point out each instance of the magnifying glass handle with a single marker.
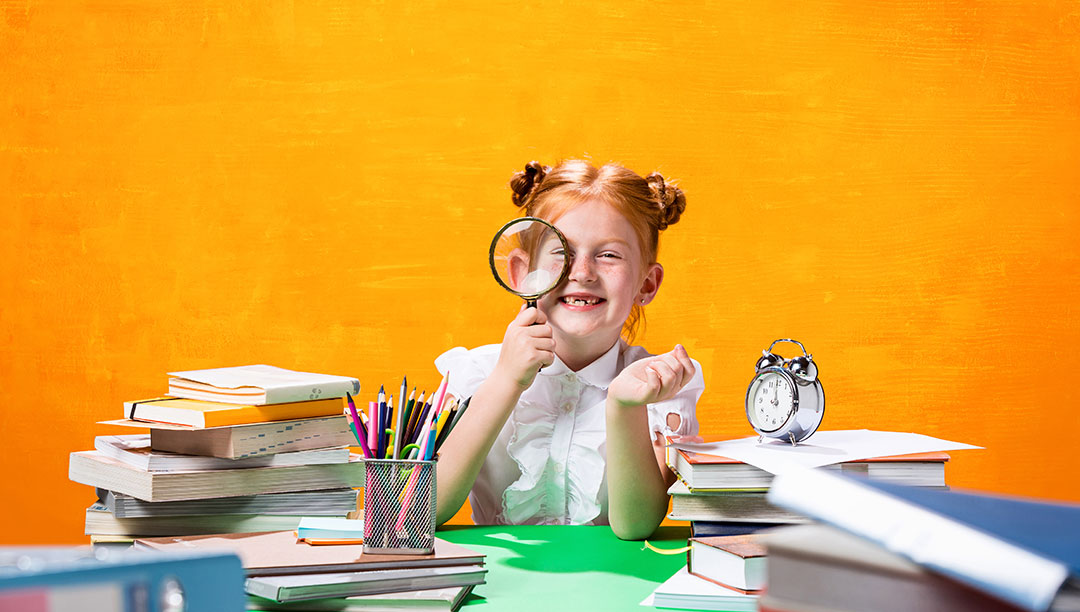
(530, 303)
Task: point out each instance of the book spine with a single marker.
(308, 392)
(932, 540)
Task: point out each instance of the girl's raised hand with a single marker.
(527, 346)
(653, 379)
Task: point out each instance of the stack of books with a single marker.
(722, 496)
(888, 547)
(271, 447)
(286, 573)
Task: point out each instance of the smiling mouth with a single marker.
(580, 301)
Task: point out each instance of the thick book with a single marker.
(702, 472)
(95, 469)
(816, 567)
(1024, 551)
(134, 450)
(728, 506)
(101, 522)
(324, 502)
(259, 385)
(199, 413)
(243, 441)
(688, 592)
(300, 587)
(280, 553)
(733, 561)
(429, 600)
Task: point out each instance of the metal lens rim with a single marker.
(495, 271)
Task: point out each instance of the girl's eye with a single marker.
(611, 255)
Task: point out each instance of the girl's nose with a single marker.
(581, 269)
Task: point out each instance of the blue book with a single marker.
(1024, 551)
(700, 529)
(39, 579)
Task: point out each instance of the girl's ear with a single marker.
(653, 277)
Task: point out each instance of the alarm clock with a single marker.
(785, 399)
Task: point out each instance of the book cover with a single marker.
(243, 441)
(277, 553)
(726, 528)
(733, 561)
(200, 413)
(95, 469)
(816, 567)
(134, 450)
(1024, 551)
(431, 600)
(259, 384)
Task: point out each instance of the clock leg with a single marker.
(791, 437)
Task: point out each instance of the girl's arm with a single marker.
(636, 475)
(527, 346)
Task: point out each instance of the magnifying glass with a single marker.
(529, 258)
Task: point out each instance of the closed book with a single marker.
(729, 506)
(817, 567)
(430, 600)
(259, 385)
(688, 592)
(95, 469)
(134, 450)
(243, 441)
(1024, 551)
(99, 521)
(199, 413)
(732, 561)
(711, 472)
(300, 587)
(324, 502)
(726, 528)
(278, 553)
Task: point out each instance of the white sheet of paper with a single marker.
(823, 448)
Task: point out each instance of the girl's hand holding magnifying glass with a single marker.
(651, 380)
(527, 346)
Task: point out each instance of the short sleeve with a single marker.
(683, 405)
(467, 369)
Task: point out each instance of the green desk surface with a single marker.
(564, 568)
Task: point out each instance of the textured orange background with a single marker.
(191, 184)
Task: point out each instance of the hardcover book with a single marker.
(134, 450)
(200, 413)
(733, 561)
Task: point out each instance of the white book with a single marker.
(432, 600)
(95, 469)
(101, 522)
(259, 385)
(299, 587)
(686, 591)
(134, 449)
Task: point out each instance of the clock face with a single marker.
(772, 401)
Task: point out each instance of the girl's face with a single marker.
(607, 276)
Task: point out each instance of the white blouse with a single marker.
(547, 465)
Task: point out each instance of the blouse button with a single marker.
(571, 377)
(568, 407)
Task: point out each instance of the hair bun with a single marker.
(669, 199)
(523, 184)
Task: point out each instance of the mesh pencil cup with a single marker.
(399, 507)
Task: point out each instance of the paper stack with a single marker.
(722, 485)
(273, 447)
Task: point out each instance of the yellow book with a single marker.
(200, 414)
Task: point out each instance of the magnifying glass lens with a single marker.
(528, 257)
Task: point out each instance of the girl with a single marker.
(566, 420)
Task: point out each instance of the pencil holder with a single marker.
(399, 507)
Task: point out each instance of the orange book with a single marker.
(201, 414)
(735, 561)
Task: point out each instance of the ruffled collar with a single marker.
(597, 374)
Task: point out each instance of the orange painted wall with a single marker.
(190, 184)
